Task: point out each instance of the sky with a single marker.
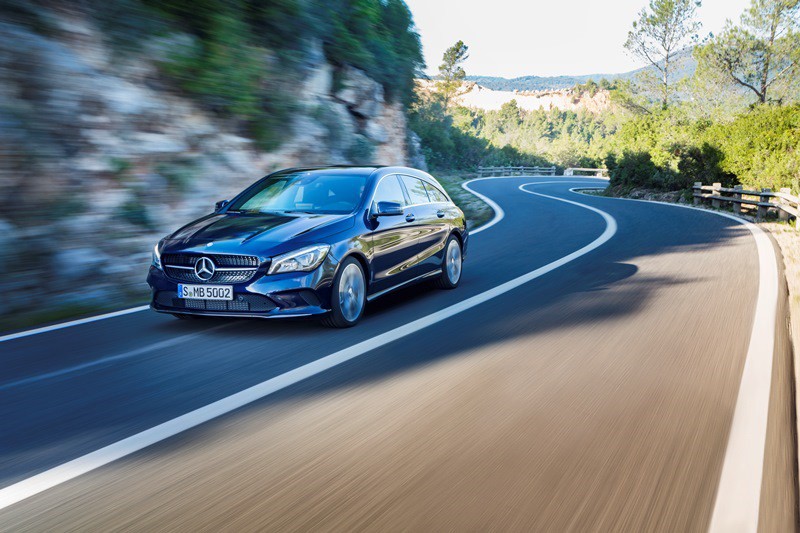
(512, 38)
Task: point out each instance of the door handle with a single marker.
(440, 213)
(410, 217)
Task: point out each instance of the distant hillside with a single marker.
(685, 68)
(474, 95)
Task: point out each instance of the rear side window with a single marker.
(389, 190)
(416, 190)
(435, 194)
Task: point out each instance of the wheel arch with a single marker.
(363, 261)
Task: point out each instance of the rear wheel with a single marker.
(451, 265)
(348, 296)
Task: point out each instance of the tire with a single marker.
(451, 265)
(348, 296)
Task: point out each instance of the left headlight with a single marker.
(156, 262)
(302, 260)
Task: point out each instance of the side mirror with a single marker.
(387, 209)
(219, 205)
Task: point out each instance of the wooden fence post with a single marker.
(716, 204)
(737, 207)
(783, 215)
(697, 190)
(762, 209)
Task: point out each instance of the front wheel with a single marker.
(451, 265)
(348, 296)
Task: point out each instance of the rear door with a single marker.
(431, 217)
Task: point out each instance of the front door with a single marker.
(395, 242)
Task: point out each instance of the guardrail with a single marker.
(599, 172)
(787, 205)
(515, 171)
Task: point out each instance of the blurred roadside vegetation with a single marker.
(243, 59)
(224, 65)
(736, 119)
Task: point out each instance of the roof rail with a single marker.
(320, 167)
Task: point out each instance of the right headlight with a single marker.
(302, 260)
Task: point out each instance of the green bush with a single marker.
(761, 147)
(631, 170)
(702, 163)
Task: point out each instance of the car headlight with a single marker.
(302, 260)
(156, 262)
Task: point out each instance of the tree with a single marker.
(451, 73)
(663, 29)
(764, 50)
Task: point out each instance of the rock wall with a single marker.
(99, 158)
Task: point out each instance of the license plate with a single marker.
(205, 292)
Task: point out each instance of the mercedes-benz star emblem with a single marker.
(204, 268)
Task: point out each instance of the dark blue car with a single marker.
(312, 241)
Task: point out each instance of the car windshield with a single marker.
(304, 192)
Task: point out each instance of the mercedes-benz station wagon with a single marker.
(312, 241)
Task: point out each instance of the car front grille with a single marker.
(255, 303)
(228, 268)
(238, 276)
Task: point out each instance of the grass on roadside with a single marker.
(475, 209)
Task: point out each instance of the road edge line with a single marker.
(499, 214)
(738, 498)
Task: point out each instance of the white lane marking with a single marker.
(91, 461)
(498, 211)
(499, 214)
(110, 359)
(736, 507)
(62, 325)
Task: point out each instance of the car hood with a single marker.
(255, 234)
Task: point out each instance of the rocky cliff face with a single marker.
(99, 157)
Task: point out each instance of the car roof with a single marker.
(374, 171)
(331, 169)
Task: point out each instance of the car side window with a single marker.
(435, 194)
(390, 190)
(416, 190)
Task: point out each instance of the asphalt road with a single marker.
(598, 395)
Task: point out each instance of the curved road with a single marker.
(583, 377)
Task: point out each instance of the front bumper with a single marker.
(293, 294)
